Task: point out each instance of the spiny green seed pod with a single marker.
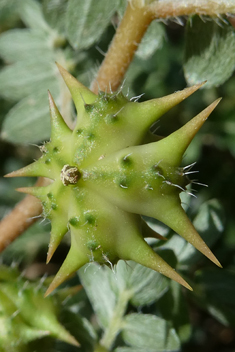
(25, 315)
(110, 170)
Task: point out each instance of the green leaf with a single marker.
(142, 78)
(176, 244)
(173, 307)
(210, 214)
(157, 226)
(80, 328)
(96, 281)
(120, 280)
(26, 77)
(54, 12)
(28, 121)
(215, 291)
(145, 285)
(209, 52)
(8, 11)
(209, 222)
(87, 20)
(25, 44)
(31, 14)
(30, 75)
(149, 332)
(152, 41)
(121, 8)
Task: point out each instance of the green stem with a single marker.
(116, 322)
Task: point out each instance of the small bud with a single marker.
(69, 175)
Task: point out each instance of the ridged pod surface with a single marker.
(109, 171)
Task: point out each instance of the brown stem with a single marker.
(172, 8)
(232, 21)
(21, 217)
(122, 49)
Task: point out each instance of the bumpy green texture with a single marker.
(108, 172)
(25, 315)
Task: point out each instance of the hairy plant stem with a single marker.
(116, 322)
(172, 8)
(22, 216)
(122, 49)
